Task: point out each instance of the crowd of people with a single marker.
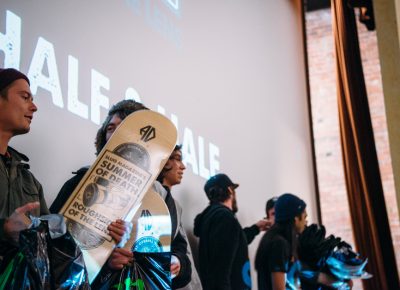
(223, 243)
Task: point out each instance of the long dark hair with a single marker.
(122, 109)
(287, 230)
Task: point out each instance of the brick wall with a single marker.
(334, 203)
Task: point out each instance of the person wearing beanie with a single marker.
(277, 252)
(223, 244)
(21, 195)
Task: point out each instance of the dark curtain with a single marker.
(363, 181)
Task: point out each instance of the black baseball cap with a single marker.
(220, 180)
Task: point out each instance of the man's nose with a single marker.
(33, 107)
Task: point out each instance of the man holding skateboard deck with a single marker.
(119, 257)
(20, 193)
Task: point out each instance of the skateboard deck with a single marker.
(151, 231)
(116, 183)
(150, 241)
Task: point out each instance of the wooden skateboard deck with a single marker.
(116, 183)
(151, 231)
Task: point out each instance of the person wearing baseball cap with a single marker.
(223, 245)
(277, 252)
(16, 202)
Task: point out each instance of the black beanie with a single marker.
(287, 207)
(9, 75)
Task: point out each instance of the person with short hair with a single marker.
(223, 244)
(185, 276)
(277, 252)
(21, 195)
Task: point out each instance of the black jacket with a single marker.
(179, 245)
(223, 252)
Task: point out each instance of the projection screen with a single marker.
(229, 74)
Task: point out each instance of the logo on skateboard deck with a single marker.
(148, 133)
(147, 220)
(147, 245)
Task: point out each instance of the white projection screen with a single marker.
(229, 74)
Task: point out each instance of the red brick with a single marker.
(326, 126)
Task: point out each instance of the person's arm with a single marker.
(119, 258)
(251, 233)
(183, 271)
(278, 280)
(329, 280)
(18, 221)
(254, 230)
(119, 230)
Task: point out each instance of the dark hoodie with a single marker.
(223, 252)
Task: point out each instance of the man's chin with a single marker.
(22, 131)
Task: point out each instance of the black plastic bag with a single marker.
(42, 263)
(148, 271)
(329, 255)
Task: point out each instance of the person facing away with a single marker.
(223, 244)
(277, 252)
(181, 265)
(119, 257)
(21, 194)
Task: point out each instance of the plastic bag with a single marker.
(330, 255)
(148, 271)
(43, 263)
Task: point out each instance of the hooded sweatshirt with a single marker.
(223, 252)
